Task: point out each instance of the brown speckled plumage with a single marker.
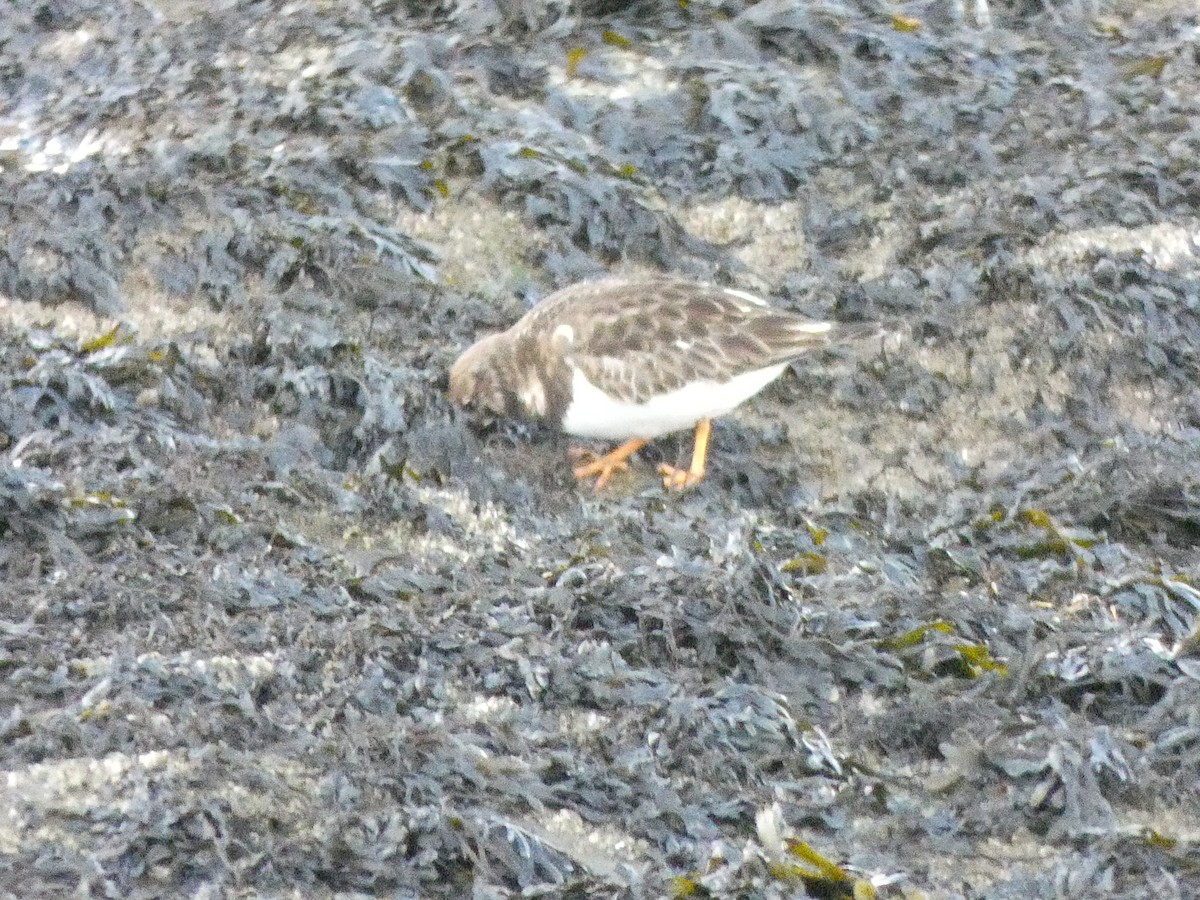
(656, 348)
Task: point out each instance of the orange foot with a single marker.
(603, 466)
(678, 479)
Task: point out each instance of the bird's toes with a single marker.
(678, 479)
(600, 465)
(601, 468)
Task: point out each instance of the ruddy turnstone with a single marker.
(630, 360)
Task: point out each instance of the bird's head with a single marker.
(475, 377)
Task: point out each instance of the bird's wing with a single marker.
(636, 339)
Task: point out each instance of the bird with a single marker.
(629, 359)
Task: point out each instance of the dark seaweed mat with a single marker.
(990, 692)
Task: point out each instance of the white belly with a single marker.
(594, 414)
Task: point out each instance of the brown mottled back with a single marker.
(634, 339)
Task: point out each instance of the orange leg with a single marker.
(604, 466)
(682, 478)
